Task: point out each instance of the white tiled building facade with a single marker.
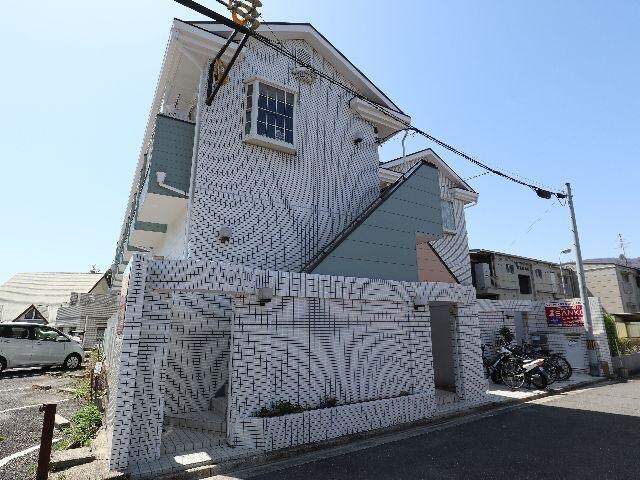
(218, 321)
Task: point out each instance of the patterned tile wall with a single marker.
(281, 208)
(352, 339)
(198, 355)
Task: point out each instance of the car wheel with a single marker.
(3, 364)
(72, 362)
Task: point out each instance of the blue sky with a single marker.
(547, 90)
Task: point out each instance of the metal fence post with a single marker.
(46, 440)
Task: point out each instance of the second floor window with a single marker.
(448, 216)
(269, 118)
(538, 273)
(510, 268)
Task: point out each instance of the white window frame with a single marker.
(252, 137)
(445, 228)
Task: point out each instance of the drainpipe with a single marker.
(194, 163)
(404, 149)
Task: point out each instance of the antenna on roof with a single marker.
(622, 244)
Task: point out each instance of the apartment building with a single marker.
(503, 276)
(617, 282)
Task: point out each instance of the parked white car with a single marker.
(25, 344)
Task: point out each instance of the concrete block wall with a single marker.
(494, 314)
(357, 340)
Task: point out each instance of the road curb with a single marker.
(411, 429)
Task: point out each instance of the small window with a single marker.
(100, 334)
(448, 216)
(46, 334)
(510, 268)
(269, 116)
(625, 277)
(524, 282)
(538, 273)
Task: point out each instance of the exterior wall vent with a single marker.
(304, 74)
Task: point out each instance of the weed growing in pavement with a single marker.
(82, 389)
(84, 425)
(2, 438)
(281, 407)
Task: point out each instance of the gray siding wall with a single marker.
(384, 245)
(171, 152)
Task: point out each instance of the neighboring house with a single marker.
(266, 255)
(616, 281)
(86, 314)
(503, 276)
(72, 302)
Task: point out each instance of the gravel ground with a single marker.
(21, 429)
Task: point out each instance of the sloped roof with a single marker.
(280, 31)
(43, 289)
(631, 262)
(432, 157)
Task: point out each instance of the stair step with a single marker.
(176, 440)
(207, 422)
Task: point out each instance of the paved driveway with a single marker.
(20, 418)
(592, 433)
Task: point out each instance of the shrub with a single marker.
(279, 408)
(84, 425)
(506, 334)
(612, 334)
(404, 393)
(327, 402)
(629, 346)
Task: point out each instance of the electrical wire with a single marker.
(278, 47)
(533, 224)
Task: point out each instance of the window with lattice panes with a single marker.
(270, 116)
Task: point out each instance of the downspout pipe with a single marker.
(194, 161)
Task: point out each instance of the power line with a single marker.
(541, 192)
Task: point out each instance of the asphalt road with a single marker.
(20, 418)
(592, 433)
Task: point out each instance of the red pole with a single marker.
(46, 440)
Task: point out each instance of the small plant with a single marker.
(327, 402)
(612, 334)
(279, 408)
(2, 438)
(404, 393)
(629, 346)
(84, 425)
(82, 389)
(506, 334)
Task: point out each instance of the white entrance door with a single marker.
(575, 351)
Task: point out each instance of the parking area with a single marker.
(22, 392)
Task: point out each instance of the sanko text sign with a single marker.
(564, 315)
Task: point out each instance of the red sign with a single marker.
(564, 315)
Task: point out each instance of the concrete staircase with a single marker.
(190, 432)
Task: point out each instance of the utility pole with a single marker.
(594, 369)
